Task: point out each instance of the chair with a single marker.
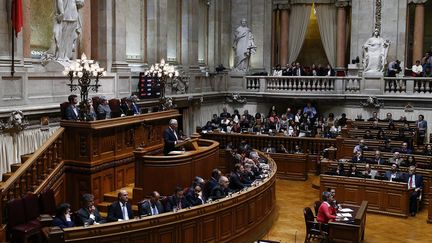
(313, 228)
(63, 107)
(47, 203)
(19, 230)
(317, 205)
(115, 108)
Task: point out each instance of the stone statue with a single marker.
(67, 28)
(375, 53)
(244, 46)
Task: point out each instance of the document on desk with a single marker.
(346, 210)
(346, 215)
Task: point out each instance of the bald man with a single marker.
(121, 209)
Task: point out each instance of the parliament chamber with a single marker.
(215, 121)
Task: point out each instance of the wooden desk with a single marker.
(384, 197)
(347, 232)
(291, 166)
(244, 217)
(164, 173)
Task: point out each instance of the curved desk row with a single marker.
(242, 217)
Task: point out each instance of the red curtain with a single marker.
(17, 18)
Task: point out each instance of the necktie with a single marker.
(125, 213)
(412, 184)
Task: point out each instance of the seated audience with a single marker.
(121, 209)
(129, 108)
(104, 110)
(237, 182)
(368, 172)
(377, 159)
(389, 118)
(374, 116)
(236, 116)
(176, 201)
(417, 69)
(354, 171)
(404, 149)
(393, 68)
(393, 173)
(91, 113)
(196, 197)
(415, 186)
(212, 182)
(88, 214)
(72, 111)
(288, 71)
(153, 206)
(340, 170)
(343, 120)
(297, 149)
(330, 71)
(387, 146)
(310, 111)
(396, 159)
(391, 126)
(299, 70)
(381, 135)
(225, 113)
(277, 71)
(221, 190)
(358, 157)
(375, 125)
(428, 150)
(368, 135)
(360, 147)
(269, 148)
(63, 216)
(410, 161)
(325, 211)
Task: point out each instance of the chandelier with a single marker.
(162, 71)
(84, 71)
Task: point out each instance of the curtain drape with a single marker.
(326, 18)
(299, 20)
(25, 142)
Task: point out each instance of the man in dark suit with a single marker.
(221, 190)
(225, 113)
(88, 214)
(120, 210)
(393, 173)
(176, 201)
(377, 159)
(171, 138)
(236, 180)
(415, 187)
(152, 206)
(72, 111)
(195, 197)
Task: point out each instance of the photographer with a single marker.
(394, 68)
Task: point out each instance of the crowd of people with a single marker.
(100, 111)
(296, 69)
(306, 122)
(249, 168)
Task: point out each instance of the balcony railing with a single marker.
(405, 86)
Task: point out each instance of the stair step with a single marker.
(25, 157)
(6, 176)
(15, 167)
(113, 196)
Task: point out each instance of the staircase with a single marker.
(14, 167)
(110, 197)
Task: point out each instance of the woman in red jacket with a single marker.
(326, 212)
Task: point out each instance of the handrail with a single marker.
(31, 174)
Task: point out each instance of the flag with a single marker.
(17, 17)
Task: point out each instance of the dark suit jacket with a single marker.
(169, 139)
(172, 202)
(235, 183)
(388, 175)
(70, 114)
(146, 210)
(379, 161)
(218, 192)
(358, 160)
(115, 211)
(83, 215)
(418, 180)
(193, 200)
(62, 223)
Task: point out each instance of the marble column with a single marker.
(418, 29)
(284, 34)
(26, 29)
(119, 63)
(85, 45)
(341, 34)
(189, 50)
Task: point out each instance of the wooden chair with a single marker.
(63, 107)
(115, 108)
(19, 229)
(313, 228)
(47, 203)
(317, 205)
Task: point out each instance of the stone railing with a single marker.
(400, 86)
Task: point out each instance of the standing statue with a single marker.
(244, 46)
(375, 53)
(67, 28)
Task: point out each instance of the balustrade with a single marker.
(423, 85)
(395, 85)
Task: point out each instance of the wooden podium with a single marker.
(163, 173)
(350, 232)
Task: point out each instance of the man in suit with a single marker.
(120, 210)
(195, 197)
(221, 190)
(225, 113)
(374, 116)
(129, 108)
(393, 173)
(72, 111)
(237, 182)
(152, 206)
(415, 187)
(358, 157)
(88, 214)
(176, 201)
(369, 172)
(377, 159)
(171, 138)
(396, 159)
(212, 182)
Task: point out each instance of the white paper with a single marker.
(346, 210)
(346, 215)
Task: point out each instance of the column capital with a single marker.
(417, 1)
(281, 4)
(342, 3)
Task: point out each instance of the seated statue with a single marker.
(375, 53)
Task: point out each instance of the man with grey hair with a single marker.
(171, 138)
(89, 214)
(221, 190)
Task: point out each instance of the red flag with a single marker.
(17, 17)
